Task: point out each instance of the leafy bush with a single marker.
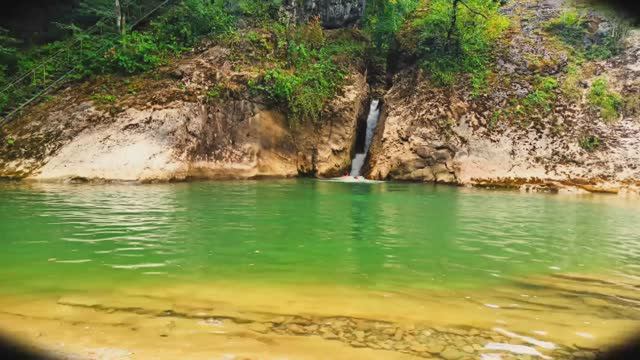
(543, 94)
(384, 18)
(382, 22)
(256, 9)
(309, 69)
(184, 24)
(608, 102)
(573, 29)
(214, 92)
(304, 90)
(104, 99)
(590, 142)
(570, 26)
(135, 52)
(453, 40)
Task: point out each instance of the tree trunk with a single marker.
(120, 18)
(452, 26)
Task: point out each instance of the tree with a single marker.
(115, 14)
(121, 19)
(384, 18)
(457, 36)
(7, 57)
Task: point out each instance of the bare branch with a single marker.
(472, 10)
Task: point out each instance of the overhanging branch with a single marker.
(472, 10)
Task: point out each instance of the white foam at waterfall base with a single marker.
(352, 179)
(372, 122)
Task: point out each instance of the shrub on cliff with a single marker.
(456, 36)
(384, 18)
(308, 69)
(577, 30)
(187, 22)
(303, 89)
(606, 101)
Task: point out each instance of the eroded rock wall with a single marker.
(173, 129)
(447, 135)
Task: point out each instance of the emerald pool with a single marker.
(264, 243)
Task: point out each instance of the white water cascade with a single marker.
(372, 122)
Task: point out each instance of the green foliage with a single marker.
(85, 54)
(135, 52)
(608, 102)
(540, 99)
(305, 89)
(480, 82)
(543, 94)
(382, 22)
(214, 92)
(308, 71)
(455, 37)
(104, 99)
(573, 29)
(10, 141)
(256, 9)
(570, 26)
(187, 22)
(384, 18)
(7, 57)
(570, 85)
(590, 142)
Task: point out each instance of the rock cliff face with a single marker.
(169, 129)
(448, 135)
(332, 13)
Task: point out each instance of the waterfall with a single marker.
(372, 122)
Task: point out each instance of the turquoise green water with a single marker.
(387, 236)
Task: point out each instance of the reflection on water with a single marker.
(373, 235)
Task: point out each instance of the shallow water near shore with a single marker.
(303, 268)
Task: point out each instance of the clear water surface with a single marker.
(58, 238)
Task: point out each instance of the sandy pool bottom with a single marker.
(553, 317)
